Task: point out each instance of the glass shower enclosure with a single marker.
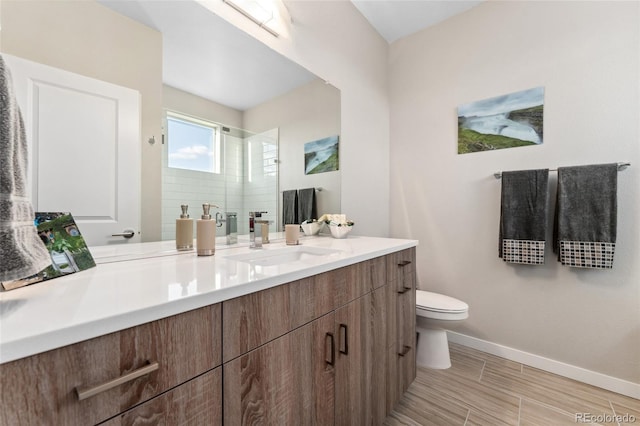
(242, 177)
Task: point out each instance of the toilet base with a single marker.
(433, 348)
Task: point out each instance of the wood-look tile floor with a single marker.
(482, 389)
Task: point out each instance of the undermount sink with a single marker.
(270, 257)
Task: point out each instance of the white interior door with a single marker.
(84, 149)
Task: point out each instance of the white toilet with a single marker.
(432, 310)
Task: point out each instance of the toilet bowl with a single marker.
(434, 312)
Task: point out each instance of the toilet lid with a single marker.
(439, 302)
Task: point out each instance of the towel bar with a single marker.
(319, 188)
(621, 167)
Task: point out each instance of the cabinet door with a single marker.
(354, 281)
(401, 362)
(288, 381)
(361, 360)
(406, 326)
(257, 318)
(45, 388)
(401, 265)
(197, 402)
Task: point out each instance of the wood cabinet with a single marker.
(257, 318)
(288, 381)
(401, 331)
(361, 360)
(357, 280)
(279, 353)
(197, 402)
(299, 353)
(334, 348)
(46, 388)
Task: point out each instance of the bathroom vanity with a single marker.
(320, 333)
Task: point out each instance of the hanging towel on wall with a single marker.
(586, 215)
(290, 207)
(22, 253)
(523, 216)
(307, 209)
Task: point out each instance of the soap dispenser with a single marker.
(184, 230)
(206, 232)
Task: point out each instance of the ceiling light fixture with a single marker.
(259, 11)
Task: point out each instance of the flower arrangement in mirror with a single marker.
(338, 224)
(311, 227)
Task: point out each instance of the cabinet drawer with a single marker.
(197, 402)
(257, 318)
(183, 346)
(355, 281)
(401, 267)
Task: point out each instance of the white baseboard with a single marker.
(600, 380)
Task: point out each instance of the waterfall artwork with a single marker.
(321, 156)
(506, 121)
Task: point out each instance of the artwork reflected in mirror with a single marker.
(321, 156)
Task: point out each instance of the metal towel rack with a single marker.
(319, 188)
(621, 166)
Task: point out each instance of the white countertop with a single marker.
(145, 282)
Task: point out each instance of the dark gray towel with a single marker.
(21, 251)
(307, 209)
(523, 216)
(289, 207)
(586, 215)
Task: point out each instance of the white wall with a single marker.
(334, 41)
(585, 54)
(308, 113)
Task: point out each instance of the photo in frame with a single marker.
(506, 121)
(67, 248)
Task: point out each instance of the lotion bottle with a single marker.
(206, 232)
(184, 230)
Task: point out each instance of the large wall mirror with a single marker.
(191, 66)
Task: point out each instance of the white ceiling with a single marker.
(205, 55)
(395, 19)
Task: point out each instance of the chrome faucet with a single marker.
(255, 232)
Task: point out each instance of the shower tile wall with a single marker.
(187, 187)
(235, 189)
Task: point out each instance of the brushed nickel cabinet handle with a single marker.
(87, 392)
(405, 350)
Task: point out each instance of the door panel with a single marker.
(361, 360)
(84, 148)
(288, 381)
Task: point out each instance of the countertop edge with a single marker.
(32, 345)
